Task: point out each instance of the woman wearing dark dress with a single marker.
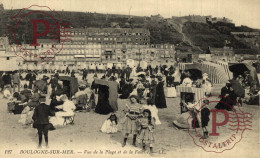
(160, 101)
(103, 106)
(228, 98)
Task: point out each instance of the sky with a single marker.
(242, 12)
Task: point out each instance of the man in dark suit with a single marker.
(85, 74)
(41, 120)
(128, 72)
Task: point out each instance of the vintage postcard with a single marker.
(130, 78)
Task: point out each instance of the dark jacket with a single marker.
(7, 79)
(54, 82)
(41, 114)
(85, 72)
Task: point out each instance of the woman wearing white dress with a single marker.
(206, 84)
(67, 108)
(187, 82)
(133, 73)
(154, 111)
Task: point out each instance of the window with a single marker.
(7, 58)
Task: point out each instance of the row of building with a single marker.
(95, 45)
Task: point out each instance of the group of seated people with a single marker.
(203, 82)
(59, 102)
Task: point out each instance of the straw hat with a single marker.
(205, 74)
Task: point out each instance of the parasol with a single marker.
(238, 89)
(140, 74)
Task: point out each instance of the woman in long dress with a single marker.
(103, 106)
(154, 111)
(206, 84)
(133, 73)
(67, 108)
(160, 100)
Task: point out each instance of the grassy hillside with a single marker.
(187, 36)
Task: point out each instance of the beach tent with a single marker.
(70, 85)
(240, 68)
(57, 67)
(143, 64)
(195, 73)
(83, 66)
(216, 72)
(109, 65)
(92, 67)
(107, 96)
(154, 64)
(131, 63)
(119, 66)
(39, 66)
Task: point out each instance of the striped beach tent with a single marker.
(216, 72)
(199, 94)
(182, 66)
(225, 65)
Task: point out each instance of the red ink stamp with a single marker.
(35, 23)
(225, 128)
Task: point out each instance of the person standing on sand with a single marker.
(132, 114)
(41, 120)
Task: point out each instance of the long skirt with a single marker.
(145, 136)
(130, 126)
(171, 92)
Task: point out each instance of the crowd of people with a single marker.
(48, 103)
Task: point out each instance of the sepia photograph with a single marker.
(130, 78)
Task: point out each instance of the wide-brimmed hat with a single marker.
(205, 74)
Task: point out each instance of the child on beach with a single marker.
(110, 125)
(146, 128)
(132, 114)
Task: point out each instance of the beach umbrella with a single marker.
(41, 85)
(238, 89)
(140, 74)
